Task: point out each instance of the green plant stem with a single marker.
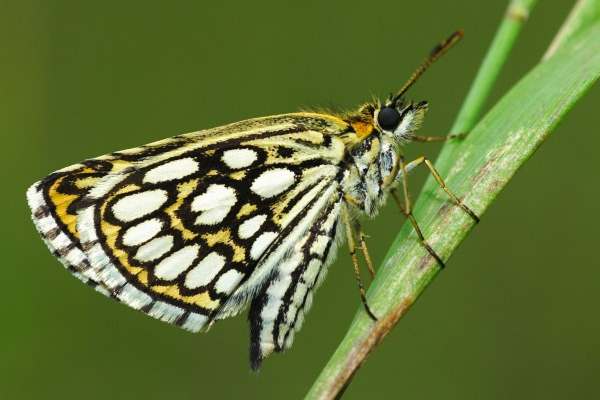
(516, 14)
(498, 145)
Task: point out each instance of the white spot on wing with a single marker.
(319, 245)
(299, 293)
(172, 170)
(279, 286)
(137, 205)
(308, 301)
(105, 185)
(239, 158)
(154, 249)
(311, 272)
(170, 268)
(205, 271)
(271, 309)
(299, 320)
(249, 227)
(228, 281)
(142, 232)
(273, 182)
(289, 340)
(261, 243)
(214, 204)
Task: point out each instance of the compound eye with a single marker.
(388, 118)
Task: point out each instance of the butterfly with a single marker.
(196, 228)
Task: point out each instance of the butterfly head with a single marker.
(399, 119)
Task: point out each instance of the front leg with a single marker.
(429, 139)
(399, 172)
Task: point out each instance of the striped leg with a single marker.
(352, 249)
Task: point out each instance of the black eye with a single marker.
(388, 118)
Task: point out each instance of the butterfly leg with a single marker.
(434, 172)
(361, 238)
(352, 249)
(445, 188)
(429, 139)
(365, 251)
(417, 229)
(390, 180)
(406, 209)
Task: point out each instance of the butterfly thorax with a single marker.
(372, 159)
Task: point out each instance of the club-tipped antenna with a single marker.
(434, 55)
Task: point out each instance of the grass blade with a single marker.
(481, 167)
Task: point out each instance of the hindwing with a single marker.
(278, 311)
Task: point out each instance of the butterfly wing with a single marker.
(189, 229)
(278, 310)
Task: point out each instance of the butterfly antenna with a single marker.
(434, 55)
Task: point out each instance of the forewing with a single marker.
(188, 229)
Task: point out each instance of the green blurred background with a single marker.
(515, 315)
